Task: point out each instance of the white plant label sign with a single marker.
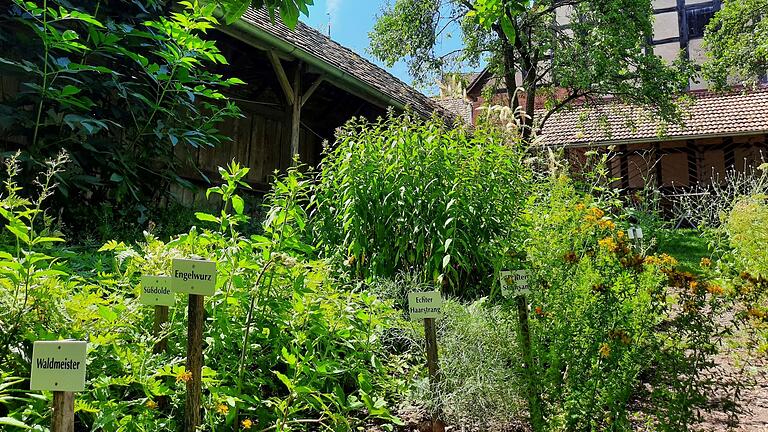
(58, 366)
(194, 277)
(157, 291)
(515, 283)
(422, 305)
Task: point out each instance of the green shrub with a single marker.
(746, 229)
(287, 346)
(611, 327)
(403, 194)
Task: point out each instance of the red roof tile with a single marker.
(709, 115)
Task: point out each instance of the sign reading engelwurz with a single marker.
(157, 291)
(514, 283)
(194, 277)
(423, 305)
(58, 366)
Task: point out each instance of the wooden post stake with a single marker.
(430, 332)
(161, 317)
(63, 412)
(534, 399)
(192, 417)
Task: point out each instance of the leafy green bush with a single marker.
(746, 228)
(287, 347)
(611, 327)
(403, 194)
(125, 87)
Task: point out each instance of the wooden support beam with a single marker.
(282, 77)
(63, 412)
(296, 115)
(311, 90)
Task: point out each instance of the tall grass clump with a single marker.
(404, 194)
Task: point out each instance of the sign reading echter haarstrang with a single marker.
(422, 305)
(58, 366)
(515, 283)
(194, 277)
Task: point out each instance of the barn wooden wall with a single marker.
(679, 164)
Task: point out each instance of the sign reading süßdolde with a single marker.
(514, 283)
(58, 366)
(157, 291)
(194, 277)
(423, 305)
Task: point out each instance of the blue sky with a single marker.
(351, 21)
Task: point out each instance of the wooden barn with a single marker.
(301, 86)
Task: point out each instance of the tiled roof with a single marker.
(737, 113)
(342, 58)
(458, 107)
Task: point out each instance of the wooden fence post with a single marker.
(534, 398)
(430, 332)
(63, 412)
(192, 417)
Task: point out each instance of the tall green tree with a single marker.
(602, 51)
(737, 43)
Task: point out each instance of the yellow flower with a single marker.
(606, 224)
(247, 423)
(605, 350)
(620, 235)
(705, 262)
(756, 313)
(184, 376)
(151, 404)
(580, 207)
(608, 243)
(596, 212)
(222, 409)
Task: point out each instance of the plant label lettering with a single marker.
(58, 366)
(422, 305)
(194, 277)
(157, 291)
(514, 283)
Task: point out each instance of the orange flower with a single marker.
(183, 376)
(608, 243)
(606, 224)
(247, 423)
(605, 350)
(539, 311)
(580, 207)
(151, 404)
(715, 289)
(222, 409)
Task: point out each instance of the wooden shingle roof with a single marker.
(709, 115)
(316, 44)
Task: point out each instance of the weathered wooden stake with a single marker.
(161, 317)
(534, 399)
(63, 412)
(192, 417)
(433, 367)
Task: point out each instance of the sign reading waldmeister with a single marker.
(58, 366)
(514, 283)
(422, 305)
(194, 277)
(156, 291)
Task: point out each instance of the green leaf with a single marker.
(284, 379)
(13, 422)
(205, 217)
(69, 90)
(238, 204)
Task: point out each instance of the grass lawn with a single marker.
(686, 245)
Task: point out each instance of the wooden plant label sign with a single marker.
(194, 277)
(422, 305)
(514, 283)
(58, 366)
(157, 291)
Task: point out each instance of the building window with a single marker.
(698, 18)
